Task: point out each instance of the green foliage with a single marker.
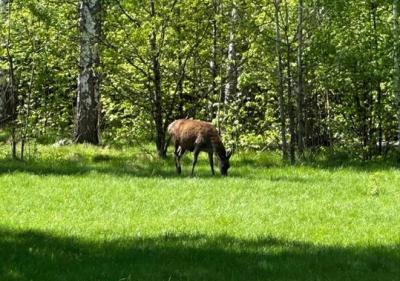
(125, 124)
(348, 96)
(44, 67)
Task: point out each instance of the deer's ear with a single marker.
(229, 154)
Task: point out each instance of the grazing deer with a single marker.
(196, 136)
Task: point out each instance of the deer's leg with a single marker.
(178, 154)
(196, 152)
(211, 159)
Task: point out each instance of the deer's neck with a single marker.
(219, 149)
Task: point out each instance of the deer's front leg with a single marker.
(211, 159)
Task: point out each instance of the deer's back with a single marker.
(187, 133)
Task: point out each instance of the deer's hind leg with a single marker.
(178, 154)
(196, 152)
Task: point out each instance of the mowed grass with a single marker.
(87, 213)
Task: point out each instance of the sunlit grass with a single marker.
(87, 213)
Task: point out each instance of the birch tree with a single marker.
(396, 76)
(300, 114)
(88, 99)
(281, 98)
(231, 84)
(289, 81)
(213, 62)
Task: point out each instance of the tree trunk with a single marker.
(10, 95)
(3, 74)
(157, 94)
(329, 120)
(180, 73)
(374, 7)
(88, 101)
(6, 81)
(292, 131)
(300, 103)
(213, 62)
(282, 114)
(396, 75)
(231, 84)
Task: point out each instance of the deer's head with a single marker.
(224, 163)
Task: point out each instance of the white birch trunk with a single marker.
(290, 105)
(88, 100)
(300, 109)
(231, 84)
(280, 79)
(3, 10)
(396, 75)
(213, 62)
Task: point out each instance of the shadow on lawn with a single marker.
(132, 165)
(164, 169)
(31, 255)
(145, 169)
(115, 167)
(356, 165)
(123, 166)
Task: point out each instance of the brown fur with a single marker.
(196, 136)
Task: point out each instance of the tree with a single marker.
(289, 79)
(156, 87)
(280, 79)
(214, 68)
(396, 74)
(232, 73)
(175, 59)
(88, 98)
(7, 85)
(300, 103)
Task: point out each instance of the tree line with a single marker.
(297, 75)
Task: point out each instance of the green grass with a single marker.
(85, 213)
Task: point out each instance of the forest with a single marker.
(303, 94)
(299, 76)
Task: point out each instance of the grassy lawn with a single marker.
(84, 213)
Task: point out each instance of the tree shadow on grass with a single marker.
(77, 161)
(146, 169)
(117, 166)
(354, 165)
(32, 255)
(136, 165)
(331, 163)
(347, 160)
